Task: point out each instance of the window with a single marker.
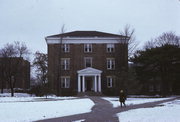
(110, 81)
(65, 63)
(110, 48)
(110, 63)
(65, 47)
(65, 82)
(87, 48)
(88, 62)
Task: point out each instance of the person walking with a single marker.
(122, 98)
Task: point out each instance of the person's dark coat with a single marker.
(122, 97)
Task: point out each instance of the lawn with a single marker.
(25, 108)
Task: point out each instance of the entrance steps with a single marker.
(90, 93)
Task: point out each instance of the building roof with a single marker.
(85, 34)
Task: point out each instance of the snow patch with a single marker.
(132, 101)
(82, 120)
(167, 112)
(32, 111)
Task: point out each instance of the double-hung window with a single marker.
(110, 81)
(65, 48)
(88, 61)
(65, 63)
(110, 63)
(65, 82)
(110, 48)
(87, 48)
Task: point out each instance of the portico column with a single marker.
(79, 83)
(83, 84)
(95, 83)
(99, 83)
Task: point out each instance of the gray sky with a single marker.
(32, 20)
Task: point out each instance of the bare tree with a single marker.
(10, 55)
(22, 50)
(167, 38)
(40, 64)
(2, 73)
(125, 74)
(132, 42)
(149, 44)
(7, 52)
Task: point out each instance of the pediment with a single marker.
(89, 70)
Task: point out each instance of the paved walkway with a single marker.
(103, 111)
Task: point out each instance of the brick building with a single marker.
(82, 61)
(17, 69)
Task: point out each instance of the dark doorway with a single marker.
(88, 83)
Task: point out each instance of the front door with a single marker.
(88, 84)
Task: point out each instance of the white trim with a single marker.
(79, 83)
(95, 83)
(84, 38)
(66, 81)
(109, 81)
(87, 48)
(83, 84)
(89, 71)
(110, 48)
(110, 63)
(87, 41)
(66, 48)
(85, 61)
(99, 83)
(65, 63)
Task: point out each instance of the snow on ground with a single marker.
(31, 111)
(167, 112)
(20, 97)
(23, 107)
(15, 95)
(81, 120)
(132, 101)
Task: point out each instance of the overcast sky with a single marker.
(31, 21)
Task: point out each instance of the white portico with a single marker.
(96, 79)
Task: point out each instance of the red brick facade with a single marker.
(63, 64)
(16, 68)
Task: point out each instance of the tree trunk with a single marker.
(2, 80)
(2, 89)
(11, 84)
(2, 86)
(12, 92)
(164, 83)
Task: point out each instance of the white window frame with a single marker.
(110, 81)
(110, 48)
(65, 63)
(110, 63)
(66, 48)
(65, 82)
(85, 61)
(87, 48)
